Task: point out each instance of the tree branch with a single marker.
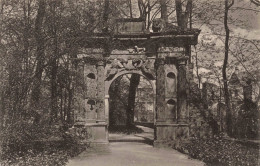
(229, 6)
(256, 2)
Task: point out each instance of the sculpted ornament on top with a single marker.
(119, 64)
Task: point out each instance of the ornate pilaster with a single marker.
(100, 106)
(160, 90)
(90, 87)
(171, 89)
(94, 128)
(171, 97)
(182, 106)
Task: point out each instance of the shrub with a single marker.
(25, 143)
(220, 151)
(55, 153)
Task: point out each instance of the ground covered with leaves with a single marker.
(56, 153)
(28, 144)
(222, 152)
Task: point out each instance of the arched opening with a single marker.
(91, 76)
(171, 75)
(131, 108)
(171, 109)
(171, 84)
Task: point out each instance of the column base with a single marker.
(170, 134)
(91, 133)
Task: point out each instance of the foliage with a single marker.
(247, 121)
(220, 151)
(202, 119)
(244, 40)
(37, 69)
(30, 141)
(45, 153)
(199, 125)
(207, 114)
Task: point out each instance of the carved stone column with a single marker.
(90, 87)
(182, 107)
(100, 106)
(161, 127)
(171, 122)
(94, 130)
(160, 90)
(107, 108)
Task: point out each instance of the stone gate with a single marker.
(161, 57)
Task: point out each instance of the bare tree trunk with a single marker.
(178, 6)
(25, 61)
(2, 109)
(25, 36)
(54, 100)
(36, 91)
(130, 7)
(256, 2)
(224, 74)
(61, 103)
(65, 105)
(54, 65)
(183, 17)
(73, 67)
(141, 9)
(164, 14)
(70, 98)
(149, 15)
(134, 82)
(105, 16)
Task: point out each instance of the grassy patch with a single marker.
(220, 152)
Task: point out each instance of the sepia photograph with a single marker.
(129, 82)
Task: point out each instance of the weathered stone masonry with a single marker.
(162, 58)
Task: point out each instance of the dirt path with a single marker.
(132, 150)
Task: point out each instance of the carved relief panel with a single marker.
(90, 76)
(171, 80)
(117, 64)
(90, 81)
(171, 91)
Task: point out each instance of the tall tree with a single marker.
(134, 82)
(39, 37)
(183, 16)
(105, 15)
(224, 68)
(164, 14)
(53, 59)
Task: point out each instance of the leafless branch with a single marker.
(256, 2)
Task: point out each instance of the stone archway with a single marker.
(165, 72)
(122, 73)
(162, 58)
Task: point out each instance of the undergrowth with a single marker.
(218, 151)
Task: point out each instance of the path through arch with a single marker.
(131, 107)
